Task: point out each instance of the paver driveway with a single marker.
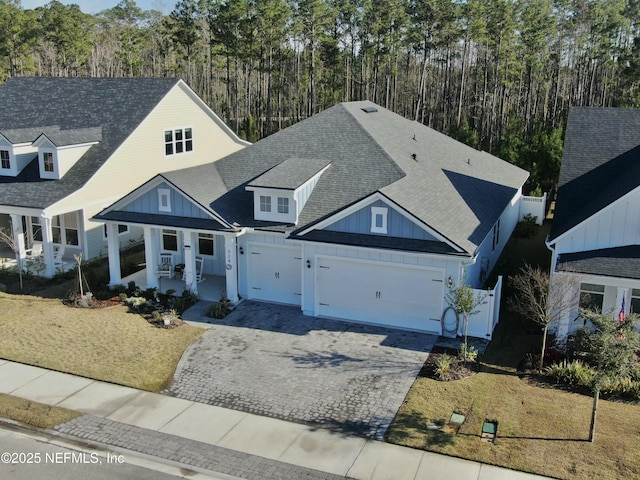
(273, 361)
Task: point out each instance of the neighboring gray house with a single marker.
(69, 147)
(595, 234)
(354, 213)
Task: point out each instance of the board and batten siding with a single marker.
(397, 224)
(180, 205)
(142, 155)
(614, 226)
(267, 238)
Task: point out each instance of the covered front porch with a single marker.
(203, 262)
(211, 288)
(45, 244)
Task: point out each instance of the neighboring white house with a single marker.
(354, 213)
(70, 147)
(595, 236)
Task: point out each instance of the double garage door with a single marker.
(385, 294)
(372, 292)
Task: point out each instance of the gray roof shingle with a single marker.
(622, 262)
(456, 190)
(70, 110)
(600, 163)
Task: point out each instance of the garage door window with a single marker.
(378, 220)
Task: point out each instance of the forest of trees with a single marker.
(499, 75)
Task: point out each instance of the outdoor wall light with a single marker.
(308, 263)
(241, 250)
(450, 282)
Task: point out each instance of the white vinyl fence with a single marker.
(536, 206)
(482, 324)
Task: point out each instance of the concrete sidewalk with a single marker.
(210, 438)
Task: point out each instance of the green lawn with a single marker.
(540, 429)
(105, 344)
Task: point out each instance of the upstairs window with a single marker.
(283, 205)
(47, 160)
(4, 159)
(265, 203)
(177, 141)
(379, 220)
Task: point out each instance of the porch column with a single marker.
(47, 246)
(231, 260)
(190, 273)
(18, 234)
(113, 249)
(151, 257)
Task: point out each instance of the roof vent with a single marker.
(369, 109)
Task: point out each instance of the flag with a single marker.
(621, 314)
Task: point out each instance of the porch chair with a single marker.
(199, 268)
(165, 267)
(58, 253)
(34, 251)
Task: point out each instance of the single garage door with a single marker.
(382, 293)
(275, 273)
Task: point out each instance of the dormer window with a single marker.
(179, 140)
(265, 203)
(47, 161)
(5, 160)
(283, 205)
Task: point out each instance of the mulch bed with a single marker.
(458, 371)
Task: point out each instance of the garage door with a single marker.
(386, 294)
(275, 273)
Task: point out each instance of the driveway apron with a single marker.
(273, 361)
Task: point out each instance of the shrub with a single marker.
(444, 363)
(624, 387)
(574, 373)
(181, 303)
(527, 227)
(468, 353)
(218, 309)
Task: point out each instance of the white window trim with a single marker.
(267, 202)
(174, 141)
(10, 159)
(169, 232)
(285, 205)
(213, 239)
(375, 211)
(164, 206)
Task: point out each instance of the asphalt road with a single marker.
(26, 455)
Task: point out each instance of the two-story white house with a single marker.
(355, 213)
(70, 147)
(595, 236)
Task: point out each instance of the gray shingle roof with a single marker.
(70, 110)
(458, 191)
(290, 174)
(600, 163)
(623, 262)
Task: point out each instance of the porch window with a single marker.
(36, 229)
(591, 296)
(64, 229)
(4, 159)
(206, 244)
(265, 203)
(635, 300)
(170, 240)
